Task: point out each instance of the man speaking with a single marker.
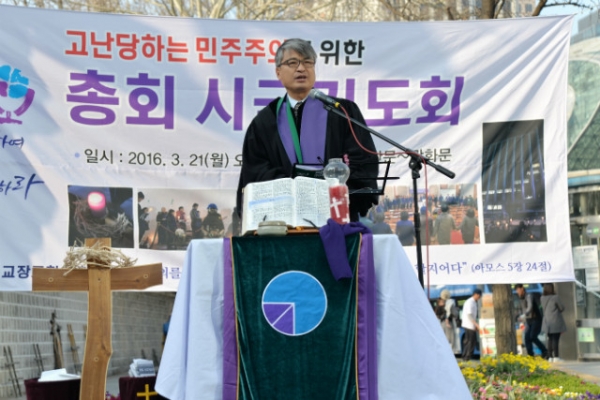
(296, 129)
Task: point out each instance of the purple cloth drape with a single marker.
(333, 236)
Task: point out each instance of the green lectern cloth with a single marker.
(295, 325)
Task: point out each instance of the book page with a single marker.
(323, 204)
(267, 201)
(312, 201)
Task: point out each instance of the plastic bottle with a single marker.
(336, 173)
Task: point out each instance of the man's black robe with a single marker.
(265, 158)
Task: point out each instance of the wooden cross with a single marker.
(98, 282)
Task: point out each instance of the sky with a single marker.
(579, 12)
(566, 10)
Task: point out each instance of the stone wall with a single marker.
(138, 318)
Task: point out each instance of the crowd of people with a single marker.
(174, 229)
(174, 232)
(542, 314)
(536, 313)
(507, 230)
(456, 223)
(441, 227)
(407, 202)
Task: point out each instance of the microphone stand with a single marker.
(415, 165)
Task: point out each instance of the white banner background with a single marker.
(511, 70)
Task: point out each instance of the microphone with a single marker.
(328, 101)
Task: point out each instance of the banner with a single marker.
(116, 125)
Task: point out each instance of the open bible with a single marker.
(300, 201)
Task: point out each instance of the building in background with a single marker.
(583, 141)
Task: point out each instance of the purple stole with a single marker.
(312, 135)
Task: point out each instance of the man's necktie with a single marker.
(296, 109)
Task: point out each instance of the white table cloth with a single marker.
(414, 358)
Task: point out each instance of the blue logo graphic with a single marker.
(294, 303)
(15, 94)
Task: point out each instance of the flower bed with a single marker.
(516, 377)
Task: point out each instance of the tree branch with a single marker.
(575, 3)
(539, 7)
(571, 3)
(499, 6)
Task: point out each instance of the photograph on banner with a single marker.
(101, 212)
(170, 218)
(513, 184)
(449, 213)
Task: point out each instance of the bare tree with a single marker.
(308, 10)
(506, 339)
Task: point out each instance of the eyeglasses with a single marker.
(293, 63)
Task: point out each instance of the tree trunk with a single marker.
(506, 339)
(488, 8)
(538, 8)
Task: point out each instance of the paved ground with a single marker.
(588, 371)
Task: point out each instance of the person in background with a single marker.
(426, 226)
(143, 226)
(467, 227)
(440, 312)
(366, 221)
(171, 228)
(379, 225)
(470, 325)
(532, 314)
(180, 217)
(235, 227)
(405, 230)
(196, 222)
(553, 322)
(443, 226)
(213, 226)
(452, 320)
(126, 207)
(161, 226)
(140, 198)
